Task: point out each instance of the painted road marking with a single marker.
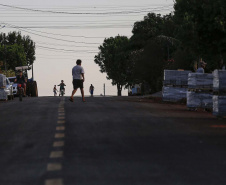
(56, 154)
(61, 114)
(60, 128)
(60, 118)
(54, 182)
(59, 135)
(60, 111)
(61, 122)
(58, 144)
(54, 167)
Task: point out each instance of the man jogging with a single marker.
(78, 79)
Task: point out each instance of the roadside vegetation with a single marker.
(15, 50)
(195, 30)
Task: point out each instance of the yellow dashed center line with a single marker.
(56, 154)
(54, 182)
(60, 122)
(54, 167)
(58, 144)
(60, 128)
(61, 118)
(60, 135)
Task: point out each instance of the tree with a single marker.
(152, 26)
(16, 50)
(201, 27)
(113, 60)
(152, 46)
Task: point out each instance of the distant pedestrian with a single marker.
(91, 89)
(201, 67)
(55, 90)
(78, 79)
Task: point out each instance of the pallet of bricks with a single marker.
(200, 91)
(3, 95)
(175, 85)
(219, 90)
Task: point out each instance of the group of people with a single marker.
(202, 66)
(78, 74)
(62, 85)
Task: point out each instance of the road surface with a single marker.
(109, 141)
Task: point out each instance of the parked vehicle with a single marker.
(9, 90)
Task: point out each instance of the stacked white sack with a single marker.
(173, 93)
(199, 100)
(2, 80)
(219, 105)
(219, 80)
(3, 95)
(200, 80)
(174, 77)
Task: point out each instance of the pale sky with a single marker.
(62, 38)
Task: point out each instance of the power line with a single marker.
(12, 26)
(73, 27)
(65, 45)
(86, 51)
(75, 13)
(64, 35)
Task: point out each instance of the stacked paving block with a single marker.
(219, 90)
(200, 91)
(175, 85)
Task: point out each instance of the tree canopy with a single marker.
(195, 30)
(16, 50)
(113, 60)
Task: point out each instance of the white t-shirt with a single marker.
(77, 72)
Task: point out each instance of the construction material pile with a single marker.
(3, 95)
(175, 78)
(219, 80)
(219, 98)
(175, 85)
(200, 87)
(173, 94)
(200, 81)
(196, 100)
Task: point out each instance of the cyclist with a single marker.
(62, 85)
(20, 79)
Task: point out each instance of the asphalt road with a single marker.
(109, 141)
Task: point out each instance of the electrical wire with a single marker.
(75, 13)
(13, 26)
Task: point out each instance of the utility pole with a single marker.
(5, 60)
(104, 89)
(32, 72)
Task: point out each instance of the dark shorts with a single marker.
(78, 84)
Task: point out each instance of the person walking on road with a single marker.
(91, 89)
(78, 79)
